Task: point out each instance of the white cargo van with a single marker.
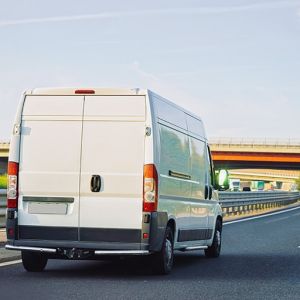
(109, 172)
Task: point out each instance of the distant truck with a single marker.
(234, 185)
(258, 185)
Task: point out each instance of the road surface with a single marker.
(260, 260)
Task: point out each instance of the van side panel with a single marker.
(200, 206)
(183, 172)
(173, 163)
(198, 168)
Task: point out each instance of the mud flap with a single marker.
(158, 226)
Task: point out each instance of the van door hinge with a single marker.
(17, 129)
(148, 131)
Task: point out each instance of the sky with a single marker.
(236, 64)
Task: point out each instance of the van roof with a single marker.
(97, 91)
(68, 91)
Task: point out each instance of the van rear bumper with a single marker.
(36, 249)
(110, 246)
(92, 239)
(96, 252)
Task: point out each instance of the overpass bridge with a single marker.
(231, 153)
(267, 175)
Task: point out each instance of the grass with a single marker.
(3, 181)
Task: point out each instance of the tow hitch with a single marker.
(75, 253)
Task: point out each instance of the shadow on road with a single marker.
(187, 266)
(240, 266)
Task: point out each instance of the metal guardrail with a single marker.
(232, 202)
(241, 202)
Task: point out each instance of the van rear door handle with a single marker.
(95, 183)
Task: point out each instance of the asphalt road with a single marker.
(260, 260)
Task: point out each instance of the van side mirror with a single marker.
(222, 180)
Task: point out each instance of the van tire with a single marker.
(163, 260)
(215, 249)
(34, 261)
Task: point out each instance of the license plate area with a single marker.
(47, 208)
(47, 205)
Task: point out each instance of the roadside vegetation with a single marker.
(298, 183)
(3, 181)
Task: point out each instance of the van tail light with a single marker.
(12, 184)
(150, 192)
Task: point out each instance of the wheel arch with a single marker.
(159, 223)
(172, 224)
(220, 219)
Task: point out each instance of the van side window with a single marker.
(197, 168)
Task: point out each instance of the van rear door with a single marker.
(112, 169)
(50, 167)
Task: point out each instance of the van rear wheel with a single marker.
(163, 260)
(34, 261)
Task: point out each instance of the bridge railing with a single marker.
(255, 141)
(232, 202)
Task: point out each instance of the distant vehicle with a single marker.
(246, 189)
(234, 185)
(258, 185)
(97, 172)
(245, 184)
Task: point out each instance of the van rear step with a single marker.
(193, 248)
(122, 252)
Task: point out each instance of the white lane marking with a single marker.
(263, 216)
(10, 263)
(276, 220)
